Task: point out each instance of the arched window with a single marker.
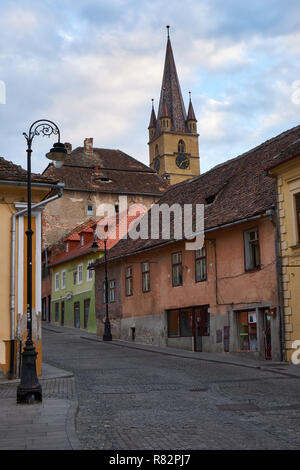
(181, 146)
(156, 150)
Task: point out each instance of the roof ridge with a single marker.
(242, 155)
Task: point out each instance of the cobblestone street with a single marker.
(137, 399)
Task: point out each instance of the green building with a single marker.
(72, 282)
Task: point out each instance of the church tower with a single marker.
(173, 138)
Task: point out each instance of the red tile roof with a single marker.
(9, 171)
(107, 170)
(239, 189)
(112, 235)
(287, 154)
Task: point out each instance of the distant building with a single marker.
(173, 138)
(93, 177)
(69, 283)
(285, 168)
(13, 267)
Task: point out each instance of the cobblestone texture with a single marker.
(53, 388)
(132, 399)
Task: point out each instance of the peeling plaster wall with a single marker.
(69, 211)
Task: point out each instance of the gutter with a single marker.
(60, 187)
(135, 193)
(24, 183)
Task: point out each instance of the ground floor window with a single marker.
(186, 322)
(247, 322)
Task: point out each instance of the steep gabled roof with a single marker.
(9, 171)
(107, 170)
(231, 192)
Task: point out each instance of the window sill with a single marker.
(295, 247)
(252, 270)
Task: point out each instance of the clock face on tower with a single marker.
(156, 164)
(182, 161)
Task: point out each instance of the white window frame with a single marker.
(63, 279)
(90, 212)
(80, 273)
(82, 240)
(89, 273)
(112, 290)
(56, 282)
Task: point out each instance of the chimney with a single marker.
(68, 147)
(88, 146)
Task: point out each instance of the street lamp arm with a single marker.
(44, 127)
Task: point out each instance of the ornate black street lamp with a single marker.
(29, 389)
(107, 329)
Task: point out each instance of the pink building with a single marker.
(225, 296)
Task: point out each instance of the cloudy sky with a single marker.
(92, 66)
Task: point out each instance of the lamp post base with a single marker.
(29, 391)
(107, 332)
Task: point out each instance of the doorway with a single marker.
(200, 326)
(62, 316)
(267, 335)
(86, 312)
(77, 315)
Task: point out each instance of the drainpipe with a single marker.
(279, 285)
(60, 187)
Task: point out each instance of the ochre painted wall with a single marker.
(288, 185)
(9, 195)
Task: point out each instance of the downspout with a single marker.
(279, 285)
(60, 187)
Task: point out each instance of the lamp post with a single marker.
(29, 389)
(107, 330)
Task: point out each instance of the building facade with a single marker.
(95, 177)
(286, 170)
(13, 267)
(225, 295)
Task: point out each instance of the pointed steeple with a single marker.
(170, 96)
(191, 115)
(152, 123)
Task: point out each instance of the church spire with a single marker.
(152, 124)
(170, 96)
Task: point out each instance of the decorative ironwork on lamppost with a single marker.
(29, 389)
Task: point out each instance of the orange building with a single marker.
(223, 297)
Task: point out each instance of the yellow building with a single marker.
(173, 138)
(13, 282)
(286, 171)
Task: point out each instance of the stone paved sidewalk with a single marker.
(49, 425)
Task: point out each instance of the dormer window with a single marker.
(181, 146)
